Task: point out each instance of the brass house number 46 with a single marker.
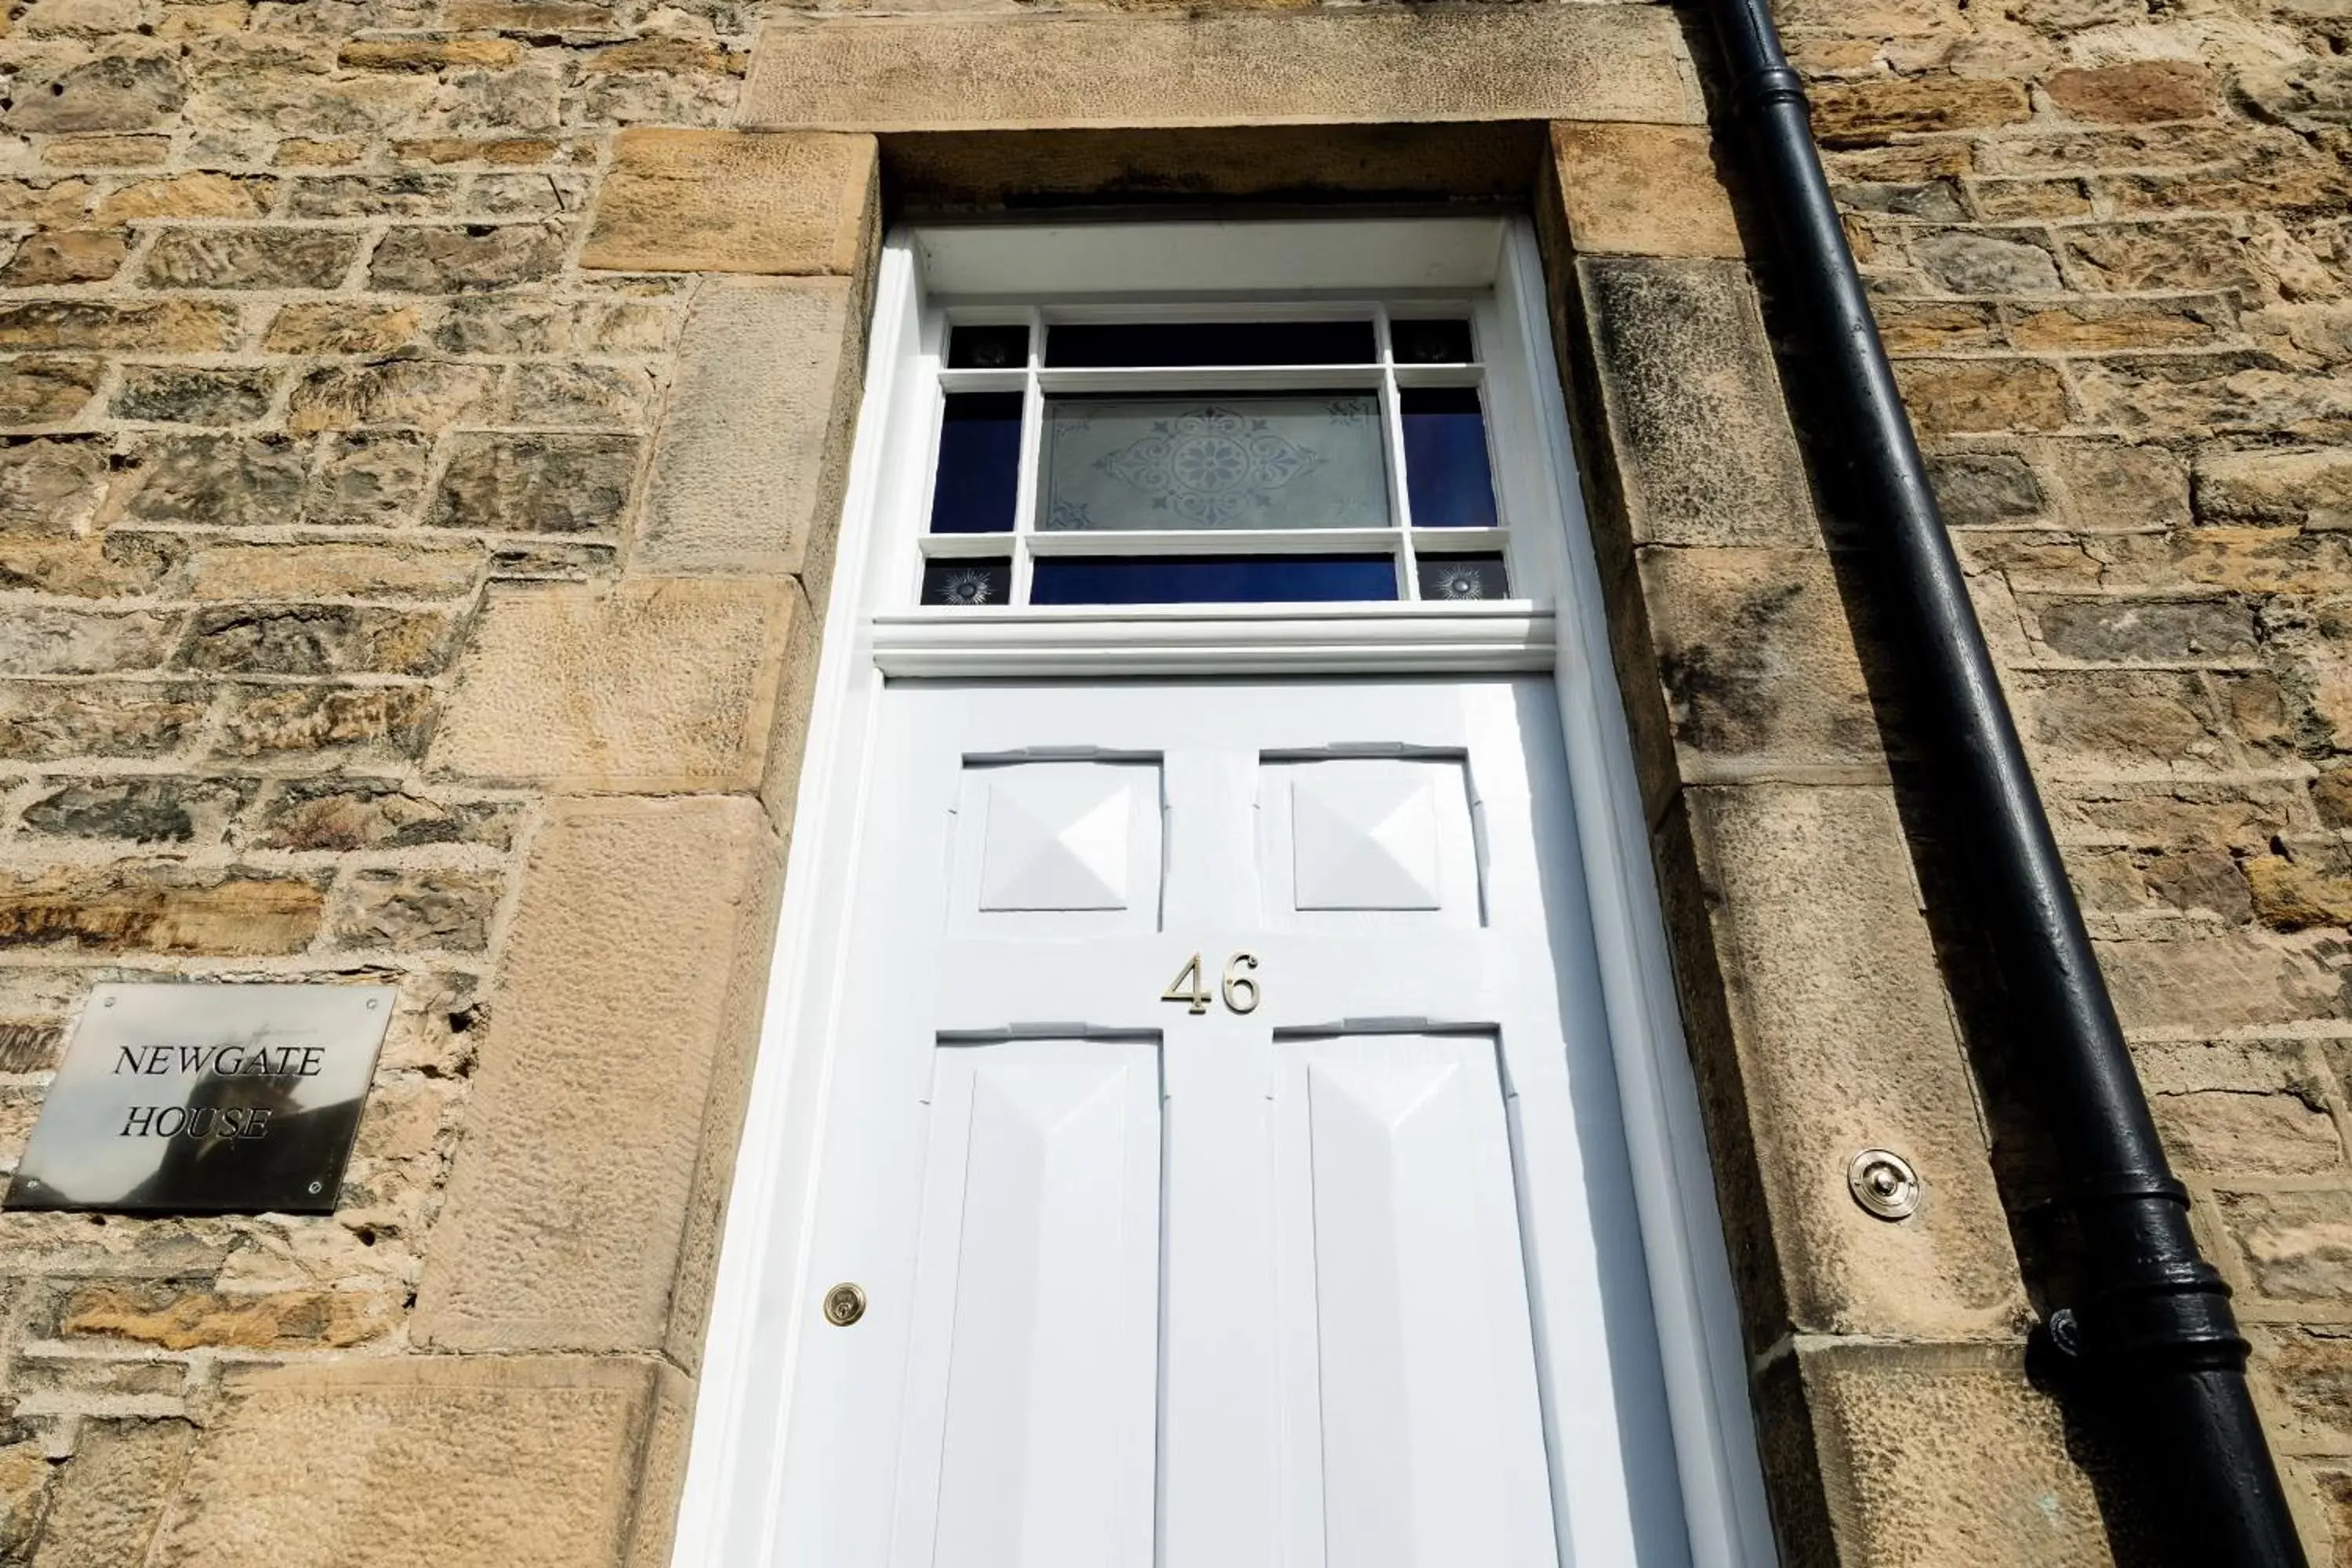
(1240, 990)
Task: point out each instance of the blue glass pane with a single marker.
(1210, 579)
(1445, 472)
(980, 463)
(1096, 344)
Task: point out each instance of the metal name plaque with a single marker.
(191, 1099)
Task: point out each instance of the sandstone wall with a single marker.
(2112, 247)
(399, 580)
(346, 630)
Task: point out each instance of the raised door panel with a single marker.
(1033, 1370)
(1405, 1265)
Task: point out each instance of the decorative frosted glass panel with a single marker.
(1463, 577)
(967, 582)
(1293, 460)
(1210, 579)
(980, 463)
(1445, 469)
(1096, 346)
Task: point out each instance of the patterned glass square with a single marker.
(1292, 460)
(1461, 577)
(967, 583)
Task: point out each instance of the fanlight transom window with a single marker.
(1248, 455)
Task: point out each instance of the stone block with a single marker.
(1958, 396)
(2294, 1246)
(2135, 90)
(1855, 114)
(724, 201)
(388, 1462)
(653, 685)
(536, 484)
(167, 325)
(2251, 1108)
(316, 639)
(748, 467)
(1703, 451)
(1841, 1038)
(2309, 1375)
(436, 910)
(220, 569)
(1932, 1456)
(51, 722)
(427, 258)
(2278, 489)
(156, 809)
(158, 907)
(352, 722)
(2114, 628)
(1759, 665)
(954, 72)
(1644, 190)
(67, 256)
(187, 395)
(347, 813)
(42, 389)
(637, 923)
(172, 1316)
(250, 258)
(2230, 979)
(103, 1511)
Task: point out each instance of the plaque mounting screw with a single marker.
(371, 1001)
(108, 1003)
(1884, 1183)
(844, 1305)
(316, 1186)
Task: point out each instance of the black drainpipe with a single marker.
(2153, 1333)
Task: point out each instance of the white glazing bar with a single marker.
(1392, 427)
(1025, 494)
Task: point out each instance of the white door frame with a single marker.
(760, 1308)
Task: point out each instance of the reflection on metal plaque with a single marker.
(190, 1098)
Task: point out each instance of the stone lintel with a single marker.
(526, 1462)
(728, 201)
(952, 171)
(630, 986)
(1016, 72)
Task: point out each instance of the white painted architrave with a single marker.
(759, 1310)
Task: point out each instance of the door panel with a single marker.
(1340, 1272)
(1033, 1356)
(1433, 1445)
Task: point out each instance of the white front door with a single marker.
(1321, 1252)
